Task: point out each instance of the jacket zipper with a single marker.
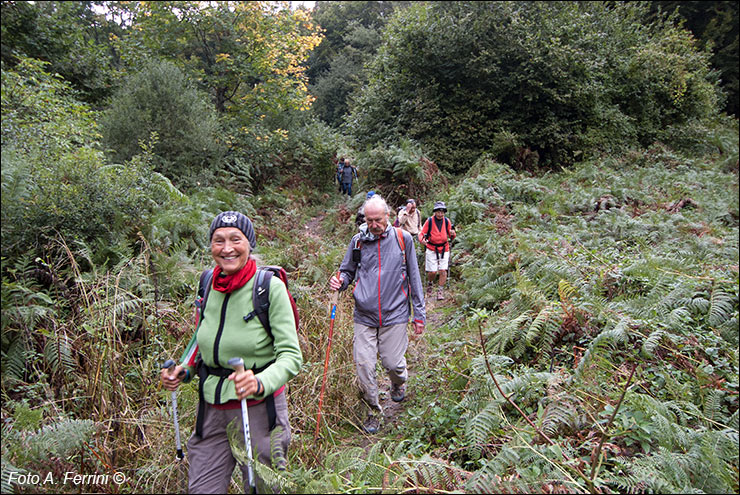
(217, 343)
(380, 309)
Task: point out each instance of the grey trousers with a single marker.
(391, 343)
(210, 457)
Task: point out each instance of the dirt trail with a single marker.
(415, 357)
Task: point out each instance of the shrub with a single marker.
(560, 79)
(159, 99)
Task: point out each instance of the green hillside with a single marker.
(589, 341)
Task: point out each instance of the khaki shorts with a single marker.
(432, 264)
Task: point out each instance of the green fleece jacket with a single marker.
(223, 334)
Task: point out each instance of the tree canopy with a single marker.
(559, 79)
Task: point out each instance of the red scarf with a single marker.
(230, 283)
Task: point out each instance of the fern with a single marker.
(60, 440)
(479, 428)
(721, 307)
(566, 291)
(7, 468)
(653, 341)
(561, 412)
(616, 336)
(58, 354)
(544, 327)
(14, 360)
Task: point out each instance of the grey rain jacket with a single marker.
(347, 173)
(384, 284)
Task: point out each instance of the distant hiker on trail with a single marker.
(360, 218)
(348, 173)
(340, 168)
(224, 332)
(435, 235)
(409, 218)
(382, 261)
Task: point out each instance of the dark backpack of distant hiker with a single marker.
(397, 223)
(261, 303)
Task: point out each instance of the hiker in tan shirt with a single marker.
(409, 218)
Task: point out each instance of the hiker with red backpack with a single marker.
(382, 262)
(435, 235)
(245, 312)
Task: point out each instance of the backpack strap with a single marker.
(204, 288)
(401, 243)
(261, 300)
(399, 238)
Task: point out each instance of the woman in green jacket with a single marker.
(225, 330)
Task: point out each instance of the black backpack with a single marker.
(446, 224)
(260, 295)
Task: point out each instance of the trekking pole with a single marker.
(170, 365)
(449, 261)
(334, 298)
(238, 364)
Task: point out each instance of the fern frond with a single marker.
(713, 405)
(544, 327)
(721, 307)
(479, 428)
(616, 336)
(653, 341)
(14, 361)
(560, 412)
(58, 354)
(7, 468)
(566, 291)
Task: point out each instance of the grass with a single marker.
(570, 298)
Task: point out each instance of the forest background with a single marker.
(587, 151)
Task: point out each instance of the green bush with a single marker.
(555, 81)
(309, 151)
(159, 101)
(396, 168)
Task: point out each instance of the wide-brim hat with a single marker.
(440, 205)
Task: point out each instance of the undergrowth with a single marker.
(605, 297)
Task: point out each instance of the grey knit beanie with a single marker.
(234, 219)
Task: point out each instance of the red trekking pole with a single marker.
(334, 297)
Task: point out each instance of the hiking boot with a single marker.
(430, 287)
(371, 424)
(398, 392)
(440, 294)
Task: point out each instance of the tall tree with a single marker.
(71, 36)
(336, 68)
(715, 24)
(160, 108)
(556, 79)
(247, 54)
